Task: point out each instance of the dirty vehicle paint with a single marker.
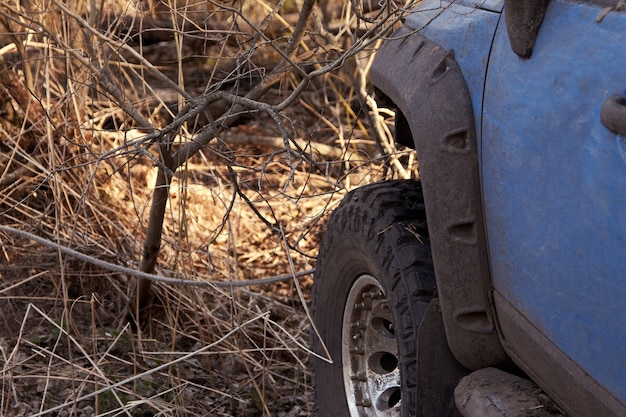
(517, 112)
(554, 187)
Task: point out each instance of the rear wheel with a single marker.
(374, 279)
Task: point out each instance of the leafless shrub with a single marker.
(205, 141)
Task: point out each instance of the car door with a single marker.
(553, 166)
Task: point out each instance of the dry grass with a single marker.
(79, 94)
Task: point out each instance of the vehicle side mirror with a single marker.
(523, 19)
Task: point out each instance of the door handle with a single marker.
(613, 114)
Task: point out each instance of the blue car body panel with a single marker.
(554, 185)
(553, 177)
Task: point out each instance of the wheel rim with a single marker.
(370, 352)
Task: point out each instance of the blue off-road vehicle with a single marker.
(495, 285)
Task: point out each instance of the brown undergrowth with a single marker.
(92, 96)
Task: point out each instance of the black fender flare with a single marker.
(425, 83)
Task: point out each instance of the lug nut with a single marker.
(358, 325)
(357, 349)
(365, 402)
(373, 294)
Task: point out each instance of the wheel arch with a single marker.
(425, 84)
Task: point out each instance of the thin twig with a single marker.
(149, 372)
(151, 277)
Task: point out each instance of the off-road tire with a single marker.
(378, 231)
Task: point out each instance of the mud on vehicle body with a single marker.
(508, 257)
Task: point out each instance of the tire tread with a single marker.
(389, 220)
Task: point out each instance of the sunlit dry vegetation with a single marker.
(201, 142)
